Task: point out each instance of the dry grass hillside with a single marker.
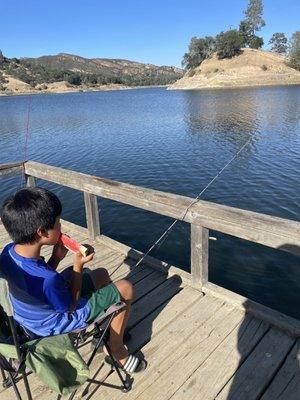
(250, 68)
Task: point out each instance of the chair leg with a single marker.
(28, 391)
(3, 374)
(100, 340)
(125, 382)
(13, 383)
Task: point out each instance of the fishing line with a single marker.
(166, 233)
(26, 141)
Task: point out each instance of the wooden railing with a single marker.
(259, 228)
(11, 169)
(202, 215)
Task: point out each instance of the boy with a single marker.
(43, 301)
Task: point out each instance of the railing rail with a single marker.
(11, 169)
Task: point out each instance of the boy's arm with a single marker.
(76, 279)
(59, 252)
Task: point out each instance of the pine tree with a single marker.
(253, 15)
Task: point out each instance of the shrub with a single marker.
(264, 67)
(191, 73)
(74, 80)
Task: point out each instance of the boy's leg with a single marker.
(101, 278)
(119, 323)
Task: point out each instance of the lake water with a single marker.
(175, 142)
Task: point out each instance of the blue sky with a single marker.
(156, 32)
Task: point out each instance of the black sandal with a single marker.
(133, 364)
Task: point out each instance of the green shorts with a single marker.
(98, 299)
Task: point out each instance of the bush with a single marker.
(229, 44)
(264, 67)
(191, 73)
(74, 80)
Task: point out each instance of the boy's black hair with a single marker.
(28, 210)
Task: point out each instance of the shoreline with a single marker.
(77, 90)
(253, 86)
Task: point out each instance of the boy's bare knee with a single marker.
(125, 288)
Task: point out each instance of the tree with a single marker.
(245, 32)
(249, 38)
(229, 44)
(253, 15)
(256, 42)
(278, 43)
(199, 50)
(294, 51)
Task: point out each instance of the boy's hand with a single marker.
(80, 260)
(59, 252)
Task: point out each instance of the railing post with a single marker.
(199, 256)
(30, 181)
(92, 215)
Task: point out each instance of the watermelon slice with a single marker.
(72, 245)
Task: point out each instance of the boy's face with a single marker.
(51, 236)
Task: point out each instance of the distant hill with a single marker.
(250, 68)
(67, 72)
(106, 66)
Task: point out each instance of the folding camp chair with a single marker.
(16, 370)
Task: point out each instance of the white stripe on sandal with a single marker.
(131, 364)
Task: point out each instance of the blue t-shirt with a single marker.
(40, 296)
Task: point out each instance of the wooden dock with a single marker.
(201, 341)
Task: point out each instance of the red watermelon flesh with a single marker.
(72, 245)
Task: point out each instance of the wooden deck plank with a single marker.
(218, 368)
(164, 292)
(286, 384)
(254, 375)
(170, 375)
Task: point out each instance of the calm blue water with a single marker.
(176, 142)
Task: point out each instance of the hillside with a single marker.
(250, 68)
(66, 72)
(105, 66)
